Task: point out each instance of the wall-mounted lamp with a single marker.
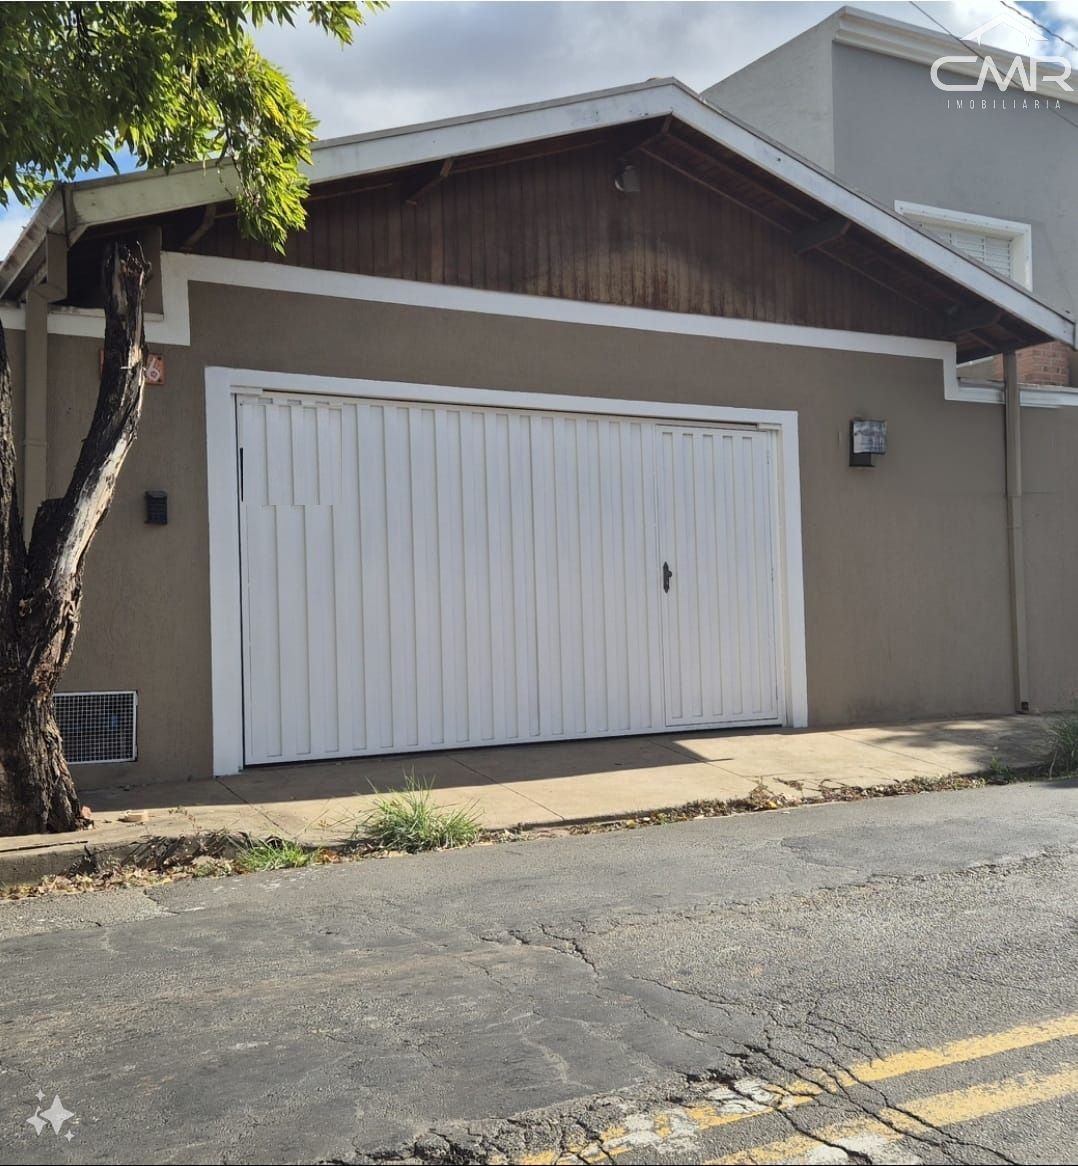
(867, 438)
(157, 507)
(627, 178)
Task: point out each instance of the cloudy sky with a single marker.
(420, 60)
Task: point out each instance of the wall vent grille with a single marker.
(97, 726)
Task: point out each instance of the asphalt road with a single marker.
(885, 981)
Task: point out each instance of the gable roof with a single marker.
(661, 117)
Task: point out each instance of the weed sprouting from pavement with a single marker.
(273, 854)
(999, 772)
(411, 820)
(1063, 738)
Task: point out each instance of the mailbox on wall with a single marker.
(867, 439)
(156, 508)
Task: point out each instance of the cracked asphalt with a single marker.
(879, 981)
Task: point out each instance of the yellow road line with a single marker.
(956, 1052)
(939, 1110)
(852, 1134)
(642, 1130)
(994, 1097)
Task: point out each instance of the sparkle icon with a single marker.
(54, 1116)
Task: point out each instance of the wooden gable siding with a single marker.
(556, 226)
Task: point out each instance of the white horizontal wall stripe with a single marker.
(179, 271)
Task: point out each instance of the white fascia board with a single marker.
(1033, 396)
(369, 154)
(139, 195)
(44, 218)
(158, 192)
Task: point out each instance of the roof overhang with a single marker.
(813, 197)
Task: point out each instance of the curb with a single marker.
(41, 862)
(35, 863)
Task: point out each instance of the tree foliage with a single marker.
(81, 83)
(168, 82)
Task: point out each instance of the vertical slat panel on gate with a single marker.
(614, 582)
(521, 485)
(378, 663)
(348, 592)
(476, 578)
(401, 581)
(764, 528)
(567, 522)
(502, 676)
(454, 656)
(548, 616)
(430, 727)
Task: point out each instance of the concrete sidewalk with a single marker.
(532, 785)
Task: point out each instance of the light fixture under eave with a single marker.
(627, 178)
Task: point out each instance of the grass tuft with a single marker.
(999, 772)
(1063, 746)
(273, 854)
(411, 821)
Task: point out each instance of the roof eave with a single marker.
(49, 212)
(157, 193)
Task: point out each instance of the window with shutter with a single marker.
(1001, 245)
(992, 250)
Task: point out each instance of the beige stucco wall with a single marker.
(905, 564)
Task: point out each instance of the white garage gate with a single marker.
(430, 575)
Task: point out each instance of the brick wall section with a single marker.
(1044, 364)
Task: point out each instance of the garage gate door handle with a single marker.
(667, 576)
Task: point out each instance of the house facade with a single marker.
(542, 430)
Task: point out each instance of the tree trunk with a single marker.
(36, 791)
(41, 587)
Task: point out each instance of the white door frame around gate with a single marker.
(223, 385)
